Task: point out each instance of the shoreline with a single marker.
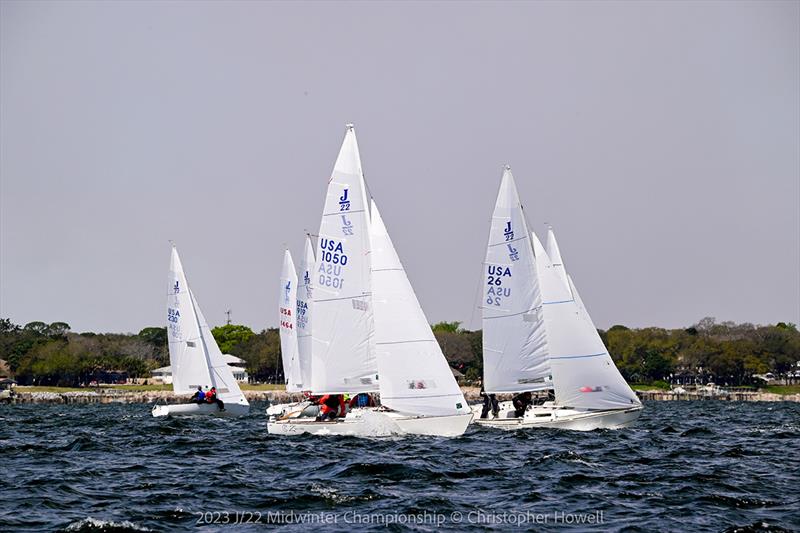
(471, 394)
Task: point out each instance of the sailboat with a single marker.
(287, 309)
(539, 336)
(295, 333)
(369, 332)
(195, 358)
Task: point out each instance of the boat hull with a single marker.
(198, 409)
(374, 423)
(571, 419)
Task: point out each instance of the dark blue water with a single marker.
(696, 466)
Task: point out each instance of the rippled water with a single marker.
(700, 466)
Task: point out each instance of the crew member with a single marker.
(521, 403)
(489, 402)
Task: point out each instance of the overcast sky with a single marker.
(661, 140)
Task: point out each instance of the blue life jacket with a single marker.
(201, 395)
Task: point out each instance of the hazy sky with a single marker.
(662, 141)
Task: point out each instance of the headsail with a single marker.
(287, 314)
(415, 377)
(583, 373)
(514, 337)
(342, 355)
(221, 375)
(305, 290)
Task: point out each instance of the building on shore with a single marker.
(236, 364)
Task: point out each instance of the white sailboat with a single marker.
(195, 358)
(367, 323)
(287, 313)
(295, 333)
(589, 391)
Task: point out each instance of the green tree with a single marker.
(229, 335)
(448, 327)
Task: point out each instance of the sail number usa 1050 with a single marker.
(332, 260)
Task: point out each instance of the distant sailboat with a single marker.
(295, 333)
(287, 313)
(369, 333)
(559, 339)
(194, 356)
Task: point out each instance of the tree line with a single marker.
(724, 352)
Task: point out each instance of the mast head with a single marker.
(349, 126)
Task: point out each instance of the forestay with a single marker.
(305, 290)
(287, 311)
(514, 336)
(415, 377)
(342, 355)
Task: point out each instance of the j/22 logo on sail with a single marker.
(177, 288)
(513, 254)
(508, 232)
(344, 202)
(286, 291)
(347, 226)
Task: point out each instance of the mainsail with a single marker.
(415, 377)
(305, 289)
(195, 358)
(287, 313)
(514, 336)
(342, 355)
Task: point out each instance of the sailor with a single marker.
(521, 403)
(489, 402)
(211, 397)
(330, 405)
(199, 395)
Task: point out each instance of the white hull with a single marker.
(374, 423)
(281, 409)
(551, 416)
(205, 409)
